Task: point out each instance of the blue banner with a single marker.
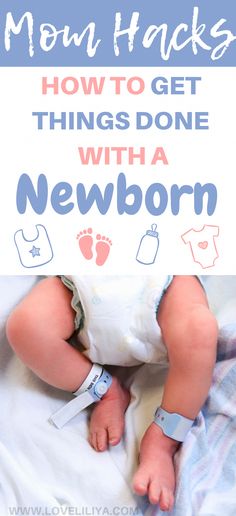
(117, 33)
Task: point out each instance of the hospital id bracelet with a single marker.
(173, 425)
(94, 387)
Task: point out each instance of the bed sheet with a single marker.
(49, 472)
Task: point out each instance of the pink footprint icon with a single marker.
(85, 241)
(103, 246)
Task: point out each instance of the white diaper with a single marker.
(116, 317)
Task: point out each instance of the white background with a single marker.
(194, 156)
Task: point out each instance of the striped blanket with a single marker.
(206, 465)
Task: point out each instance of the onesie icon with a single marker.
(203, 245)
(35, 252)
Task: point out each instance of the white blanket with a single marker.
(52, 472)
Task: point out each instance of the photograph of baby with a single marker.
(118, 394)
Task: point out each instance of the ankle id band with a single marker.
(173, 425)
(92, 390)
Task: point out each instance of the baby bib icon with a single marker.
(35, 252)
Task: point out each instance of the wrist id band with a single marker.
(95, 385)
(173, 425)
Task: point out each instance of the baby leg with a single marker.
(190, 333)
(38, 330)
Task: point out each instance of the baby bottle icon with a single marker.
(148, 246)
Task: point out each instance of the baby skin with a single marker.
(189, 331)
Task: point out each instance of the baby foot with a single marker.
(103, 248)
(85, 243)
(155, 476)
(107, 420)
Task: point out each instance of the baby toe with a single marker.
(93, 440)
(140, 482)
(154, 492)
(101, 440)
(114, 434)
(166, 499)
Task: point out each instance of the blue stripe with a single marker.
(77, 15)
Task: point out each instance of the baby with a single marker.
(124, 321)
